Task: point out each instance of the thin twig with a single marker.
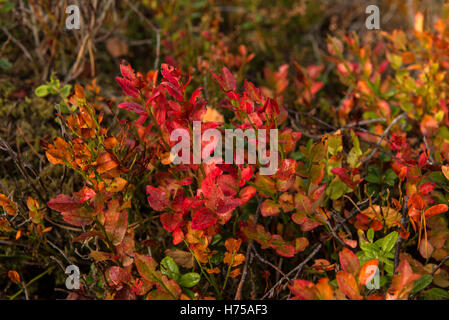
(270, 264)
(297, 269)
(400, 240)
(238, 293)
(387, 130)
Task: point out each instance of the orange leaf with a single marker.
(233, 244)
(435, 210)
(324, 290)
(368, 271)
(105, 163)
(349, 261)
(116, 185)
(14, 276)
(445, 170)
(235, 273)
(8, 205)
(348, 285)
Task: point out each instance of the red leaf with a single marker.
(171, 220)
(78, 217)
(246, 194)
(127, 87)
(246, 175)
(84, 194)
(128, 72)
(63, 202)
(157, 198)
(118, 275)
(134, 107)
(287, 169)
(422, 160)
(426, 188)
(203, 218)
(343, 175)
(282, 248)
(226, 80)
(303, 289)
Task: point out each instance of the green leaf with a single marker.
(369, 247)
(387, 243)
(189, 280)
(170, 268)
(42, 91)
(5, 64)
(6, 6)
(370, 235)
(189, 293)
(374, 175)
(65, 91)
(355, 153)
(422, 283)
(390, 177)
(335, 145)
(336, 189)
(436, 294)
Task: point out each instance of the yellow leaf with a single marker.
(117, 185)
(212, 115)
(419, 22)
(387, 215)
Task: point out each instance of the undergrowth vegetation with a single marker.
(356, 210)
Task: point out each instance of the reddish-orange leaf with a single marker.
(435, 210)
(269, 208)
(403, 282)
(79, 217)
(105, 162)
(8, 205)
(348, 285)
(287, 169)
(368, 271)
(146, 266)
(204, 218)
(115, 222)
(349, 261)
(303, 289)
(63, 202)
(14, 276)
